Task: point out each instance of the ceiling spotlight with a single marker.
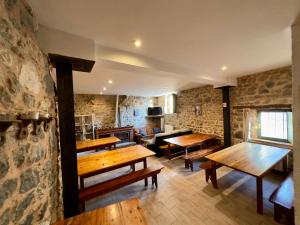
(104, 89)
(110, 81)
(224, 68)
(137, 43)
(101, 93)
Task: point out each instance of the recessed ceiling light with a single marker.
(110, 81)
(104, 89)
(137, 43)
(224, 68)
(101, 93)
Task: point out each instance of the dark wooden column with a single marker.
(226, 116)
(64, 69)
(67, 138)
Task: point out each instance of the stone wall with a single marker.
(132, 110)
(29, 184)
(102, 106)
(209, 121)
(266, 89)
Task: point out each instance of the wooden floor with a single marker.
(184, 198)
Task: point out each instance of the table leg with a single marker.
(186, 151)
(133, 167)
(285, 165)
(145, 166)
(259, 195)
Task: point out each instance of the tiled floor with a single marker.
(184, 198)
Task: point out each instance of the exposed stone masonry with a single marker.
(132, 110)
(265, 89)
(210, 121)
(29, 184)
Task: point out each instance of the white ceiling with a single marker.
(195, 38)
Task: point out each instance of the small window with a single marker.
(170, 103)
(275, 125)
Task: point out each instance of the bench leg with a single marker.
(213, 177)
(154, 180)
(192, 166)
(277, 213)
(82, 206)
(145, 166)
(207, 175)
(186, 163)
(133, 167)
(81, 180)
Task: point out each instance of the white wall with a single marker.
(296, 113)
(62, 43)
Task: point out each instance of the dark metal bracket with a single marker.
(5, 122)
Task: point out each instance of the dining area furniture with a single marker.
(128, 212)
(98, 163)
(87, 145)
(186, 142)
(250, 158)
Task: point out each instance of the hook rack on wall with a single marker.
(26, 119)
(5, 122)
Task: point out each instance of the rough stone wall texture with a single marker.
(265, 89)
(210, 120)
(102, 106)
(132, 110)
(29, 184)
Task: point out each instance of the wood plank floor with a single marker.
(184, 198)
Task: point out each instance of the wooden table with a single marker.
(188, 141)
(122, 213)
(93, 164)
(82, 146)
(253, 159)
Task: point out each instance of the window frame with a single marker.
(259, 111)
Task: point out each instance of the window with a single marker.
(275, 125)
(170, 104)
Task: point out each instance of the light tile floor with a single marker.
(184, 198)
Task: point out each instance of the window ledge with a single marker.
(272, 143)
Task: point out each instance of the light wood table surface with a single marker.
(189, 140)
(82, 146)
(122, 213)
(253, 159)
(93, 164)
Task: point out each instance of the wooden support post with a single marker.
(64, 68)
(67, 138)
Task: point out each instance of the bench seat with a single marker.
(283, 200)
(195, 155)
(116, 183)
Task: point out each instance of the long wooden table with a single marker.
(188, 141)
(122, 213)
(93, 164)
(82, 146)
(253, 159)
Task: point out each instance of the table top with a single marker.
(250, 158)
(105, 161)
(89, 144)
(189, 140)
(122, 213)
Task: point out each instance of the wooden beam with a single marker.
(226, 116)
(82, 65)
(67, 138)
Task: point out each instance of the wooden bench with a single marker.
(283, 200)
(116, 183)
(210, 171)
(127, 212)
(195, 155)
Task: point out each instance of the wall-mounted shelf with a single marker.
(155, 116)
